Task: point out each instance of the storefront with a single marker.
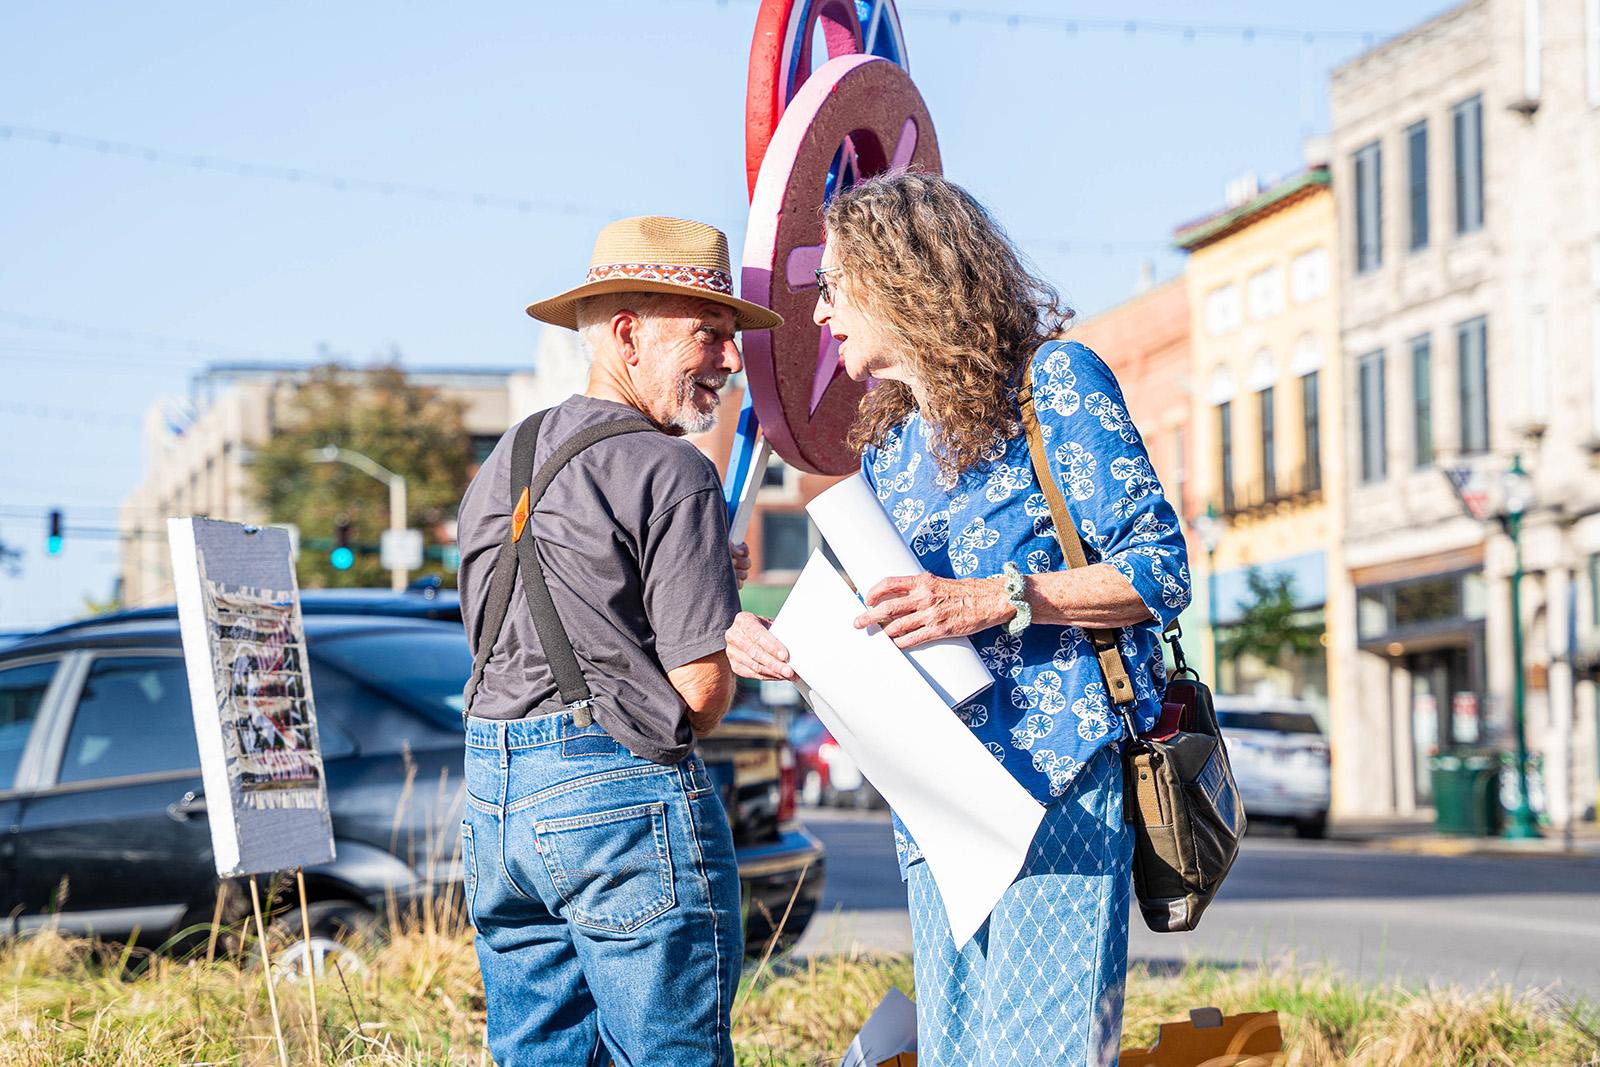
(1430, 630)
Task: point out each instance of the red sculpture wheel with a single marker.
(804, 401)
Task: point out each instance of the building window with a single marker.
(1308, 276)
(785, 540)
(1369, 207)
(1422, 399)
(773, 476)
(482, 444)
(1269, 456)
(1264, 293)
(1417, 183)
(1467, 118)
(1311, 428)
(1473, 384)
(1225, 452)
(1223, 314)
(1372, 429)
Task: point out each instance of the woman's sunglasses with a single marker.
(823, 288)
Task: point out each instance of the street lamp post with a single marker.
(397, 492)
(1210, 531)
(1518, 496)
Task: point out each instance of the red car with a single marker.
(827, 774)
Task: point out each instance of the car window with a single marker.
(133, 718)
(424, 669)
(1282, 722)
(21, 694)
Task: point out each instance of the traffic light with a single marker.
(52, 541)
(342, 557)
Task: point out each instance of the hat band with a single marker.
(707, 278)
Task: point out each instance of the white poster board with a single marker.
(254, 717)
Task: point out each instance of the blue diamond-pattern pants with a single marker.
(1042, 981)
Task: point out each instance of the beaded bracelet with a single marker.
(1015, 590)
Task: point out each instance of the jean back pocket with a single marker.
(613, 869)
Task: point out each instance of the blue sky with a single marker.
(1076, 137)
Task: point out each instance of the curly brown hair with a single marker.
(926, 260)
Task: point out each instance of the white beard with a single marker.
(686, 416)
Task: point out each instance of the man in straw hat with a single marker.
(596, 587)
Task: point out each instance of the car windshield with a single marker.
(1281, 722)
(424, 668)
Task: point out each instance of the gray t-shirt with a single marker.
(634, 537)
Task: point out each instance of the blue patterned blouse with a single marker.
(1047, 713)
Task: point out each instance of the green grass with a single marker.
(417, 999)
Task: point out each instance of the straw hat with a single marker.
(653, 254)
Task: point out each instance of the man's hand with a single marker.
(916, 609)
(754, 652)
(741, 561)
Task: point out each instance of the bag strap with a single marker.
(521, 554)
(1112, 669)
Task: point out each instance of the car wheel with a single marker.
(1312, 826)
(337, 926)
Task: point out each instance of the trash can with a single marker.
(1466, 793)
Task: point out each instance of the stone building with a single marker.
(1467, 158)
(195, 454)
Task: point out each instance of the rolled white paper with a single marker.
(868, 547)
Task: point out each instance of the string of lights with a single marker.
(67, 414)
(296, 175)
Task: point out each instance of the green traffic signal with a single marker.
(342, 558)
(52, 541)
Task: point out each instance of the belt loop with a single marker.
(504, 735)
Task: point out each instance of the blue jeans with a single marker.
(605, 895)
(1042, 980)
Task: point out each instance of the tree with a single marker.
(411, 429)
(1271, 629)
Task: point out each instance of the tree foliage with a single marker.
(411, 429)
(1271, 628)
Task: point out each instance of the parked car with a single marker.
(1280, 761)
(101, 795)
(828, 775)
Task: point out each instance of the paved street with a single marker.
(1529, 922)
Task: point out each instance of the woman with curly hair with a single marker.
(928, 298)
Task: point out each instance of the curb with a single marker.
(1488, 847)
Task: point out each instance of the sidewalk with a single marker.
(1417, 836)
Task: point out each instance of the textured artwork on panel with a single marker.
(268, 724)
(250, 690)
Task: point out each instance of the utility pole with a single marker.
(397, 492)
(1209, 527)
(1518, 495)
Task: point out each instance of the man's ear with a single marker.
(625, 327)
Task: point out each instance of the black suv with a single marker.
(100, 787)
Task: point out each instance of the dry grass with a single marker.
(417, 999)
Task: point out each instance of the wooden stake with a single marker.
(266, 965)
(216, 924)
(311, 967)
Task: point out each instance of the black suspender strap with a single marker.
(520, 552)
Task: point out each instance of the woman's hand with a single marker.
(916, 609)
(754, 653)
(740, 554)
